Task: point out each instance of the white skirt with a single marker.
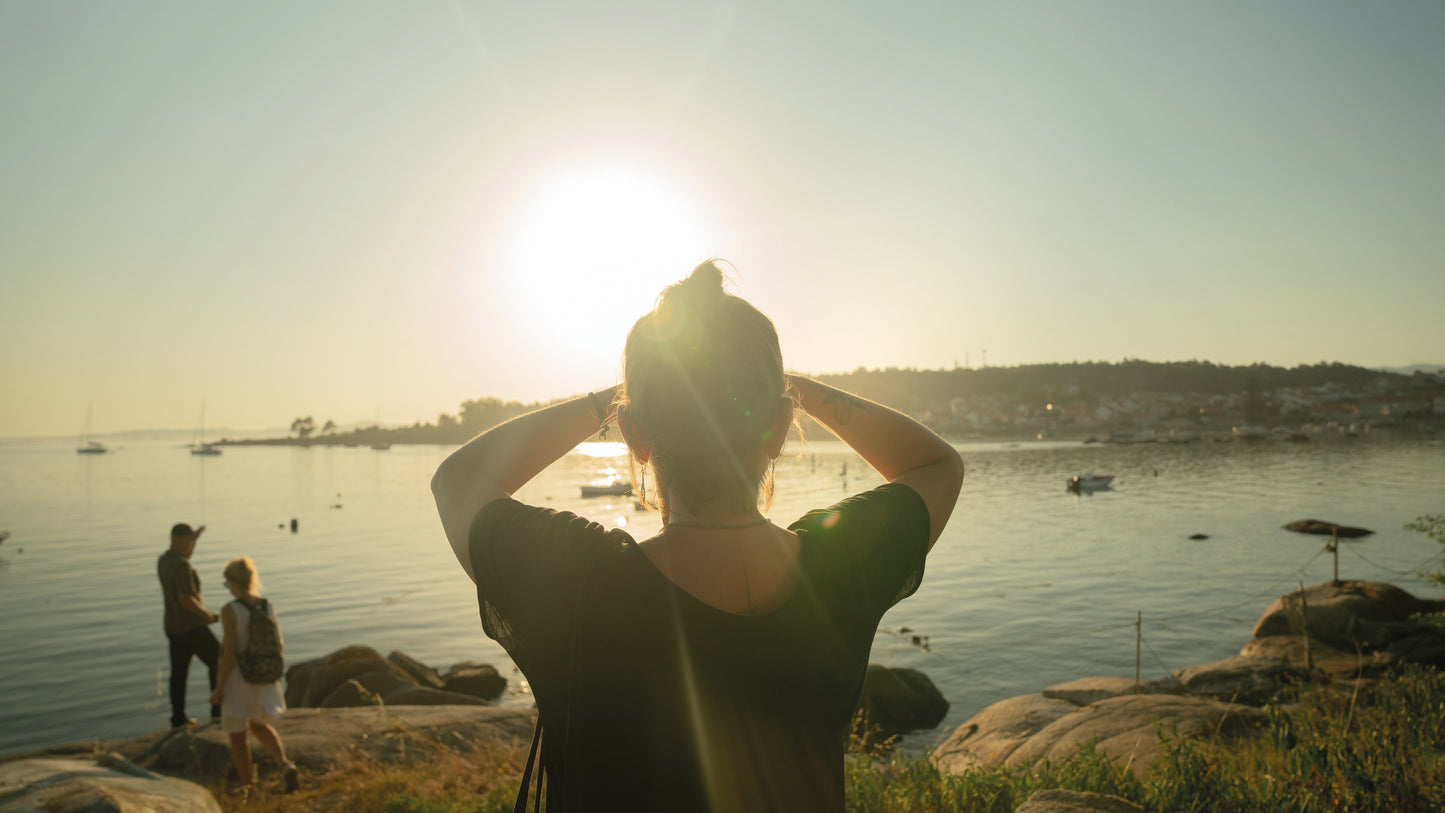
(242, 701)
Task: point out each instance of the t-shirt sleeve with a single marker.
(530, 565)
(876, 543)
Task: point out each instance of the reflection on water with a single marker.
(1028, 586)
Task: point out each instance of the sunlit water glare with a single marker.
(1029, 585)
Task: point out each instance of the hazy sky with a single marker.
(342, 208)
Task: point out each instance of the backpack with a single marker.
(261, 661)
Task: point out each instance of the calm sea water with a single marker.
(1029, 585)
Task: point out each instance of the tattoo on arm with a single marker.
(843, 406)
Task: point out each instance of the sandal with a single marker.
(291, 776)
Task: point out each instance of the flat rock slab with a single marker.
(1252, 678)
(1076, 801)
(321, 740)
(1023, 730)
(1127, 728)
(60, 784)
(1322, 658)
(1084, 691)
(991, 736)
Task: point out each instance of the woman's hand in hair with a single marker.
(496, 463)
(898, 447)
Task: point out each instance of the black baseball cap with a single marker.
(182, 529)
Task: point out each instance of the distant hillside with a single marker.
(1411, 369)
(1084, 379)
(909, 388)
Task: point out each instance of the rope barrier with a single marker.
(1270, 590)
(1410, 572)
(1158, 660)
(1160, 621)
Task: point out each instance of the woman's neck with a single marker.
(717, 515)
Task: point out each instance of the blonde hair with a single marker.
(702, 383)
(241, 572)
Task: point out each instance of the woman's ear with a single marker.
(779, 426)
(632, 437)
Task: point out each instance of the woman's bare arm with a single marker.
(502, 459)
(900, 448)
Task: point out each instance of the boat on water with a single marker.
(612, 487)
(381, 447)
(88, 446)
(1088, 482)
(201, 447)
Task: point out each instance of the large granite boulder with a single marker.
(1319, 659)
(991, 736)
(73, 784)
(366, 689)
(1371, 615)
(473, 678)
(360, 676)
(422, 674)
(897, 701)
(411, 695)
(1128, 728)
(1253, 679)
(1023, 730)
(309, 683)
(1084, 691)
(322, 740)
(1076, 801)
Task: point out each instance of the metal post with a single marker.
(1138, 637)
(1305, 627)
(1335, 549)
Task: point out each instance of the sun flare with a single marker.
(595, 250)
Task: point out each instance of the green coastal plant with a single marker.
(1433, 526)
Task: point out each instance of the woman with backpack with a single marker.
(248, 688)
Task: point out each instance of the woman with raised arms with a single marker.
(715, 666)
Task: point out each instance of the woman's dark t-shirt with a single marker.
(651, 699)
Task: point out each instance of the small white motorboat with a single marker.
(1089, 482)
(611, 487)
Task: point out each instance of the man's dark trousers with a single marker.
(199, 643)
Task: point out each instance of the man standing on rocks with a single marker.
(187, 620)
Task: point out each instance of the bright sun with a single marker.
(595, 250)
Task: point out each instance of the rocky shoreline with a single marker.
(355, 704)
(1337, 634)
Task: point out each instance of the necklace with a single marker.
(723, 526)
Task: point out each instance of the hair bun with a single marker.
(702, 287)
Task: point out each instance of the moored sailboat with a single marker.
(201, 447)
(88, 446)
